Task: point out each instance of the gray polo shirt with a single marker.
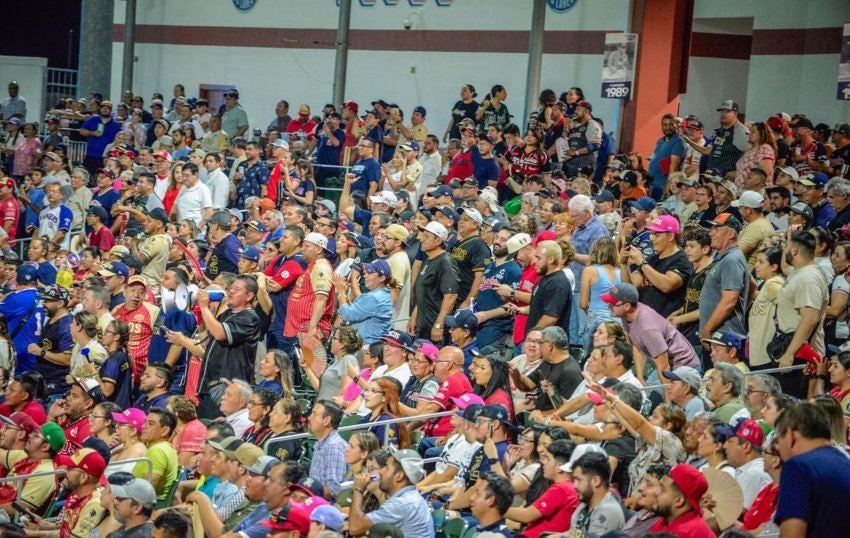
(729, 272)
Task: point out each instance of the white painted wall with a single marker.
(31, 75)
(710, 82)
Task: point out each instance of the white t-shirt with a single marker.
(161, 186)
(400, 267)
(219, 187)
(192, 201)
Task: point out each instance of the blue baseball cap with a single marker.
(421, 110)
(644, 203)
(813, 179)
(379, 266)
(115, 269)
(26, 273)
(604, 196)
(447, 211)
(442, 190)
(250, 252)
(727, 338)
(329, 516)
(463, 319)
(257, 225)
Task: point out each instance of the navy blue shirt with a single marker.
(145, 404)
(494, 276)
(116, 368)
(182, 322)
(368, 171)
(255, 176)
(325, 152)
(106, 200)
(484, 170)
(56, 338)
(224, 258)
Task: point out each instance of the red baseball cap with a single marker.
(20, 420)
(86, 459)
(163, 155)
(351, 105)
(691, 483)
(288, 518)
(750, 431)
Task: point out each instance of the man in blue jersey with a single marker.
(25, 316)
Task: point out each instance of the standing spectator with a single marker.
(467, 107)
(471, 255)
(234, 121)
(232, 349)
(101, 236)
(761, 153)
(253, 179)
(495, 323)
(54, 351)
(667, 156)
(331, 141)
(552, 297)
(366, 171)
(583, 140)
(282, 274)
(762, 317)
(724, 294)
(225, 255)
(809, 188)
(13, 106)
(652, 334)
(194, 200)
(24, 316)
(302, 127)
(757, 228)
(216, 181)
(27, 152)
(588, 228)
(800, 306)
(311, 302)
(99, 131)
(10, 210)
(436, 286)
(815, 476)
(838, 194)
(730, 140)
(282, 118)
(807, 153)
(144, 320)
(327, 466)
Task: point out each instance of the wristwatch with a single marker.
(438, 325)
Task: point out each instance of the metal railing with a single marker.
(60, 83)
(135, 460)
(53, 472)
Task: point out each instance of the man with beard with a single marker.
(584, 139)
(551, 299)
(311, 302)
(72, 413)
(132, 506)
(282, 274)
(495, 323)
(779, 200)
(82, 511)
(678, 505)
(521, 247)
(274, 492)
(53, 354)
(29, 452)
(154, 387)
(724, 294)
(667, 156)
(599, 511)
(144, 320)
(759, 387)
(729, 143)
(225, 254)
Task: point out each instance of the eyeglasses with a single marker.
(92, 415)
(749, 390)
(536, 341)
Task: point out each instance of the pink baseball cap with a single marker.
(132, 416)
(665, 224)
(462, 402)
(429, 350)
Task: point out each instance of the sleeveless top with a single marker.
(603, 284)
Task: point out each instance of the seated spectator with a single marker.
(423, 384)
(23, 394)
(32, 450)
(723, 389)
(678, 503)
(381, 397)
(404, 506)
(129, 431)
(558, 369)
(711, 447)
(157, 431)
(599, 511)
(275, 373)
(744, 451)
(490, 376)
(133, 504)
(644, 518)
(491, 497)
(328, 463)
(189, 434)
(259, 410)
(234, 405)
(727, 347)
(286, 520)
(154, 387)
(332, 380)
(684, 390)
(360, 445)
(285, 417)
(764, 505)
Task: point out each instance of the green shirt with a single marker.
(726, 411)
(164, 460)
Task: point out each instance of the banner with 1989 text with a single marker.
(618, 65)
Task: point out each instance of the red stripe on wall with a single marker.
(501, 41)
(797, 41)
(726, 46)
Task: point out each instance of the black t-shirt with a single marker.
(622, 448)
(842, 154)
(55, 338)
(565, 376)
(552, 296)
(462, 111)
(233, 358)
(438, 277)
(693, 290)
(782, 150)
(667, 303)
(224, 257)
(284, 449)
(471, 255)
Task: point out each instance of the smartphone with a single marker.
(23, 509)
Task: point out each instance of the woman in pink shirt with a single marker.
(27, 152)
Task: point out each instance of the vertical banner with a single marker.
(844, 65)
(618, 65)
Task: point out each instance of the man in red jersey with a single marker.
(144, 320)
(311, 303)
(10, 210)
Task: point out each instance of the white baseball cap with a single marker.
(437, 229)
(472, 213)
(517, 242)
(750, 199)
(317, 239)
(384, 197)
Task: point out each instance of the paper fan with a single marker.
(726, 492)
(314, 353)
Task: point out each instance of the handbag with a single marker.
(778, 345)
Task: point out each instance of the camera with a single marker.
(407, 23)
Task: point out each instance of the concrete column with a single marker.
(129, 47)
(535, 58)
(95, 71)
(341, 63)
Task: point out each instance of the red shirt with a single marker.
(11, 212)
(299, 307)
(527, 280)
(460, 166)
(556, 508)
(527, 163)
(143, 321)
(170, 198)
(286, 274)
(102, 239)
(762, 509)
(33, 409)
(455, 386)
(307, 127)
(75, 435)
(688, 525)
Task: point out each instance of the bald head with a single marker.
(452, 353)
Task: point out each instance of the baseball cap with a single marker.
(226, 445)
(726, 338)
(90, 386)
(280, 143)
(790, 171)
(411, 462)
(237, 214)
(133, 416)
(517, 242)
(496, 412)
(421, 110)
(448, 211)
(624, 293)
(138, 489)
(310, 486)
(442, 190)
(54, 293)
(465, 400)
(20, 420)
(163, 155)
(578, 452)
(586, 104)
(472, 214)
(463, 319)
(288, 518)
(247, 454)
(120, 251)
(26, 273)
(814, 179)
(629, 176)
(257, 225)
(15, 121)
(802, 208)
(604, 196)
(397, 231)
(384, 197)
(398, 338)
(328, 204)
(159, 214)
(687, 375)
(137, 279)
(86, 460)
(804, 122)
(665, 224)
(304, 110)
(726, 219)
(491, 197)
(53, 435)
(712, 175)
(409, 146)
(379, 266)
(750, 431)
(494, 223)
(691, 483)
(99, 211)
(115, 269)
(644, 203)
(317, 239)
(262, 466)
(616, 165)
(351, 105)
(688, 181)
(428, 349)
(729, 186)
(437, 229)
(751, 199)
(251, 253)
(329, 516)
(728, 105)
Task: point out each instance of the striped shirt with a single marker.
(144, 321)
(316, 280)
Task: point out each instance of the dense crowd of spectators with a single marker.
(532, 332)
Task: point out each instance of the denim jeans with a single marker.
(577, 321)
